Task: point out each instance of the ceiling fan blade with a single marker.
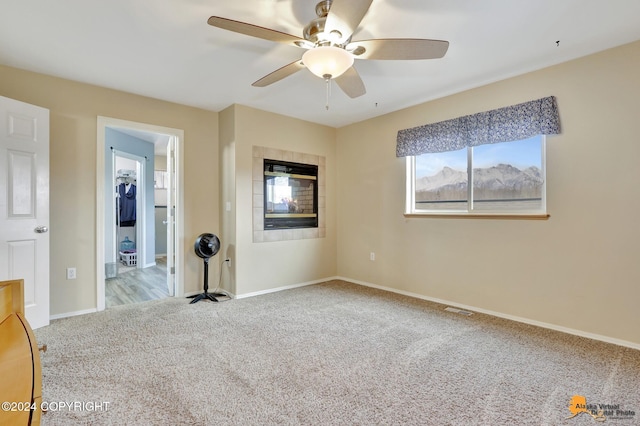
(279, 74)
(351, 83)
(345, 16)
(399, 48)
(259, 32)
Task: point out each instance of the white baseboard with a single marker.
(288, 287)
(549, 326)
(73, 314)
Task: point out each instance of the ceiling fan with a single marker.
(330, 53)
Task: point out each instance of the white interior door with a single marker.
(24, 203)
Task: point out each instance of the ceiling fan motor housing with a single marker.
(322, 8)
(314, 31)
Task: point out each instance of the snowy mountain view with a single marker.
(502, 182)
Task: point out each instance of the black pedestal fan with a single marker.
(206, 246)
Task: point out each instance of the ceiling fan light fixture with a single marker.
(327, 60)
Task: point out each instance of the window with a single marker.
(484, 164)
(505, 178)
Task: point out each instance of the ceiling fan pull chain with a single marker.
(327, 80)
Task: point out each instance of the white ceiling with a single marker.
(166, 50)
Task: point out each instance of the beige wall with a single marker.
(228, 196)
(580, 269)
(74, 108)
(268, 265)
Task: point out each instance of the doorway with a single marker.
(134, 162)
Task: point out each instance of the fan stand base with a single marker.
(205, 295)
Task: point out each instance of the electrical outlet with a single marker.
(372, 256)
(71, 273)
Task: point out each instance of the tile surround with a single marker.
(260, 235)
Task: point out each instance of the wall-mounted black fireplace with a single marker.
(290, 195)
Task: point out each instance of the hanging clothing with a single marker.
(127, 213)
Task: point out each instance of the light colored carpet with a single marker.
(328, 354)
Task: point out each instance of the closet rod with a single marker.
(116, 152)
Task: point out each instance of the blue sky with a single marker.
(520, 154)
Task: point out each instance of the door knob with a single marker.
(41, 229)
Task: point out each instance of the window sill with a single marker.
(510, 216)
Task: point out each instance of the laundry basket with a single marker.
(129, 258)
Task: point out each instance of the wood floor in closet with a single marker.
(133, 285)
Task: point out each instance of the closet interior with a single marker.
(130, 280)
(126, 199)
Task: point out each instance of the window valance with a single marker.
(512, 123)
